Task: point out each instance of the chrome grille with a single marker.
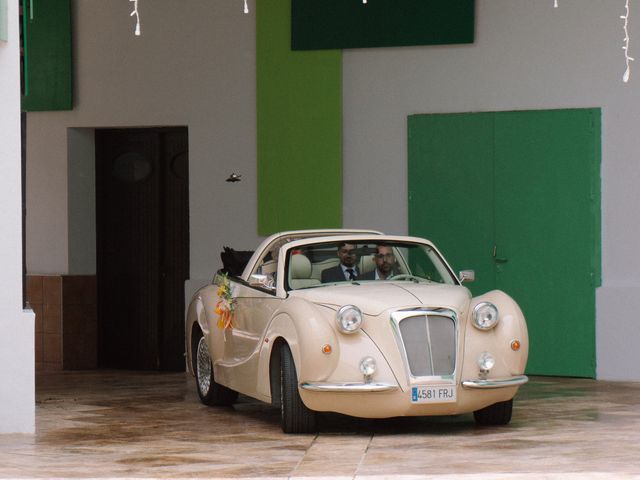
(429, 342)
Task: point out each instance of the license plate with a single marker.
(433, 394)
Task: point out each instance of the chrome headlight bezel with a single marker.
(485, 316)
(349, 319)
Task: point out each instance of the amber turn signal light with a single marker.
(515, 345)
(326, 348)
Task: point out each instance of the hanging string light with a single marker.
(135, 12)
(625, 46)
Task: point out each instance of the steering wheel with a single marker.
(404, 276)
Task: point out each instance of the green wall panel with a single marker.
(516, 196)
(4, 32)
(320, 24)
(299, 103)
(47, 55)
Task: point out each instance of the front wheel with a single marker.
(295, 416)
(210, 392)
(496, 414)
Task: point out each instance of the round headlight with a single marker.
(368, 366)
(349, 319)
(485, 316)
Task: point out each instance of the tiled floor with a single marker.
(122, 424)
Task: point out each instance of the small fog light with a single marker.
(515, 345)
(486, 361)
(368, 366)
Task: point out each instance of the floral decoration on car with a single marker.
(226, 304)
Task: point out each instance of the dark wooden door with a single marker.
(142, 246)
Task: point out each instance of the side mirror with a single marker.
(262, 281)
(467, 276)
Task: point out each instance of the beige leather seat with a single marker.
(367, 264)
(300, 272)
(319, 267)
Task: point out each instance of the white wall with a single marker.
(194, 66)
(81, 200)
(527, 55)
(17, 356)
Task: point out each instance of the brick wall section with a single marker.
(66, 321)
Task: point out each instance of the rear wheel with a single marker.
(496, 414)
(295, 416)
(210, 392)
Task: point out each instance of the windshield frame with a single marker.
(286, 253)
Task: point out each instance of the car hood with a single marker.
(375, 297)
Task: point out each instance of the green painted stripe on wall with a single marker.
(299, 108)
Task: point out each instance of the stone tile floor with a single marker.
(107, 424)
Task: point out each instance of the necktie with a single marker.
(352, 275)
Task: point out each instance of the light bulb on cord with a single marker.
(246, 7)
(135, 12)
(625, 46)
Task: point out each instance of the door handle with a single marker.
(495, 258)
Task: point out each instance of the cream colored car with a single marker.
(398, 335)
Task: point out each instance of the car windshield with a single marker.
(329, 263)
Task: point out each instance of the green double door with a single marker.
(515, 196)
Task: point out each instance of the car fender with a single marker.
(497, 341)
(198, 313)
(305, 327)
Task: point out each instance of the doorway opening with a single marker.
(142, 246)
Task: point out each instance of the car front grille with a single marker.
(429, 341)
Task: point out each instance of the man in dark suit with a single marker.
(346, 270)
(385, 262)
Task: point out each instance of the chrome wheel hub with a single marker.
(203, 367)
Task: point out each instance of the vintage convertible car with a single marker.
(399, 335)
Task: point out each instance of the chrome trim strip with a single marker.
(496, 382)
(348, 387)
(428, 328)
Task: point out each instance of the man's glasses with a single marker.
(386, 256)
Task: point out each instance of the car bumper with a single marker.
(348, 387)
(384, 400)
(386, 387)
(497, 382)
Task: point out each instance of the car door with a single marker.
(254, 309)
